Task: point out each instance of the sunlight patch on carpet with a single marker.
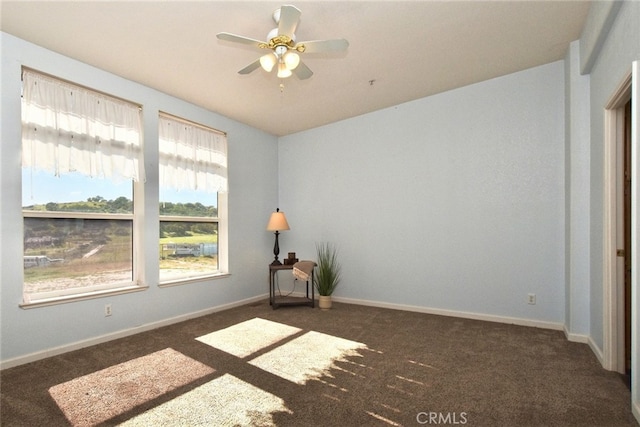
(225, 401)
(102, 395)
(381, 418)
(310, 356)
(245, 338)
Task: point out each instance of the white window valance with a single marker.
(69, 128)
(192, 157)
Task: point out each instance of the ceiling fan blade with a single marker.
(289, 18)
(316, 46)
(239, 39)
(302, 71)
(251, 67)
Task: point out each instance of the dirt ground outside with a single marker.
(64, 283)
(170, 269)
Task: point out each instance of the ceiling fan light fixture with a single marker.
(282, 46)
(280, 50)
(268, 61)
(283, 71)
(291, 60)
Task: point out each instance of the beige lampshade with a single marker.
(278, 222)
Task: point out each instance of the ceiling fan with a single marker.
(283, 49)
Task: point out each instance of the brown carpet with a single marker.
(298, 366)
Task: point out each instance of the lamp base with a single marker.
(276, 250)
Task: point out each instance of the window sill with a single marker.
(188, 280)
(81, 297)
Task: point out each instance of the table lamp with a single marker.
(277, 222)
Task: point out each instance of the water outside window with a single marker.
(188, 234)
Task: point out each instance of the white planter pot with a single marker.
(324, 302)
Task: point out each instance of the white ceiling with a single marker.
(399, 51)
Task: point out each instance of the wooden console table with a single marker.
(276, 302)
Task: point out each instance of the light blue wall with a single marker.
(252, 196)
(463, 202)
(612, 64)
(618, 47)
(577, 181)
(601, 16)
(452, 202)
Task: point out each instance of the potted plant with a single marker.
(327, 274)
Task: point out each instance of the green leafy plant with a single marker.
(327, 275)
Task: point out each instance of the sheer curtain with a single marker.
(68, 128)
(192, 157)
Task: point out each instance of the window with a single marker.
(81, 153)
(193, 180)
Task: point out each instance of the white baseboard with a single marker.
(452, 313)
(5, 364)
(597, 351)
(583, 339)
(32, 357)
(635, 409)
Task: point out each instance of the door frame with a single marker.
(613, 289)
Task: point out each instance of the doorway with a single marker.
(617, 217)
(626, 238)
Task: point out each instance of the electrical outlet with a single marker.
(107, 310)
(531, 299)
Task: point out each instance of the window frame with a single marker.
(114, 288)
(141, 251)
(220, 219)
(136, 218)
(192, 278)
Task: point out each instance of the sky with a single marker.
(39, 187)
